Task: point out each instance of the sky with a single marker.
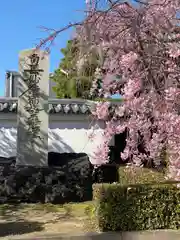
(20, 23)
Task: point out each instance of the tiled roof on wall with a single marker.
(56, 106)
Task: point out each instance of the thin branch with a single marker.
(55, 33)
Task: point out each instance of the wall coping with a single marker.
(60, 106)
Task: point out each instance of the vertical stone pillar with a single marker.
(32, 115)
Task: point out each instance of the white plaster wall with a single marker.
(67, 137)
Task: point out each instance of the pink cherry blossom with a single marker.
(102, 110)
(142, 45)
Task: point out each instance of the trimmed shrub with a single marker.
(137, 207)
(137, 175)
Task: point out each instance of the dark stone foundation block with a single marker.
(55, 184)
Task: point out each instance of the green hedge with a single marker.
(137, 175)
(140, 207)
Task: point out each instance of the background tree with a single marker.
(74, 84)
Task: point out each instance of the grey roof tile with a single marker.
(56, 108)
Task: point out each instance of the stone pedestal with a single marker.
(32, 113)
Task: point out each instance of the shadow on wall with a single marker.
(8, 142)
(57, 143)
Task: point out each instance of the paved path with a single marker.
(148, 235)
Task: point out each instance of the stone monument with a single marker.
(32, 114)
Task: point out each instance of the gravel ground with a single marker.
(34, 220)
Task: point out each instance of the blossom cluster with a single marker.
(142, 46)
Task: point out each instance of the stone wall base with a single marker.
(51, 184)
